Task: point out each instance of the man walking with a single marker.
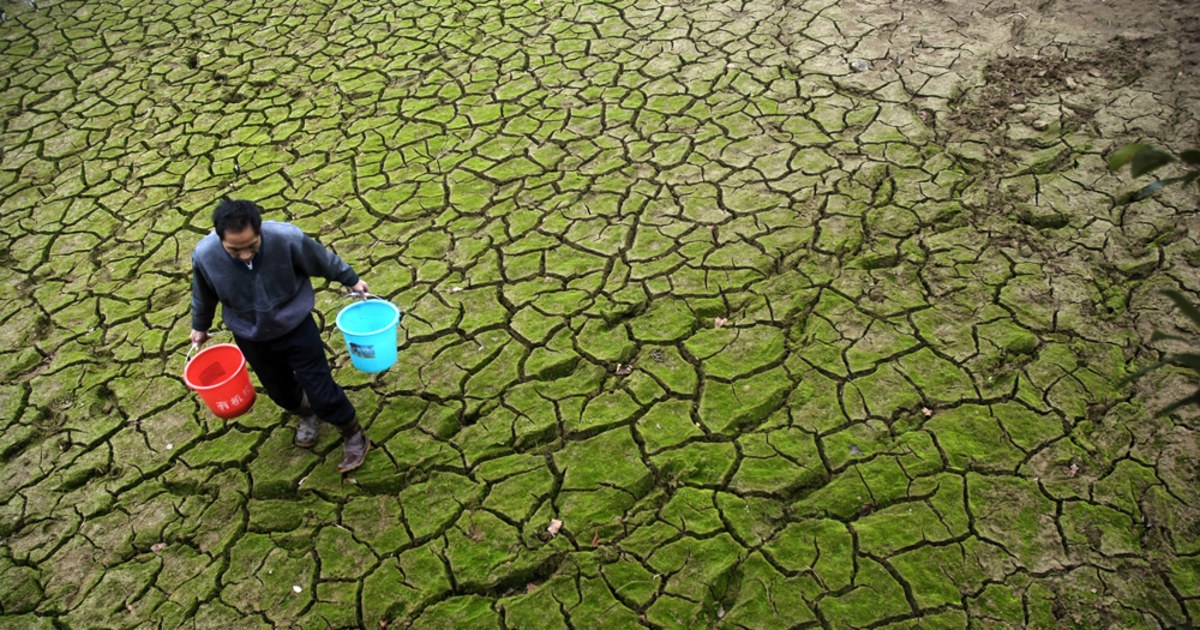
(259, 272)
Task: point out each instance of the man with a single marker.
(259, 272)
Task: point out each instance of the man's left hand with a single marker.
(360, 289)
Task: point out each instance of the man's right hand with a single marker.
(199, 337)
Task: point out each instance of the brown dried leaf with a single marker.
(555, 525)
(719, 322)
(927, 412)
(158, 547)
(596, 539)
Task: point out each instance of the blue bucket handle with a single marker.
(371, 296)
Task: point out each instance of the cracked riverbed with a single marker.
(783, 313)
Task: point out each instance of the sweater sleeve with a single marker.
(204, 299)
(316, 260)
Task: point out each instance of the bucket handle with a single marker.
(371, 296)
(195, 346)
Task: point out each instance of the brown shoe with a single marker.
(354, 446)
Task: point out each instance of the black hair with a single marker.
(233, 215)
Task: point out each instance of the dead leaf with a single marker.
(596, 539)
(719, 322)
(474, 533)
(555, 525)
(854, 450)
(927, 412)
(157, 547)
(530, 587)
(297, 589)
(624, 370)
(455, 289)
(721, 613)
(1073, 470)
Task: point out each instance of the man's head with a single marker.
(238, 224)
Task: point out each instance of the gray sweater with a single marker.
(273, 295)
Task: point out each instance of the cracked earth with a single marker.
(794, 313)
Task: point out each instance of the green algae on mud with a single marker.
(780, 341)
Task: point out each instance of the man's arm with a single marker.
(204, 306)
(317, 260)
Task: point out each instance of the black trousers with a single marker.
(294, 364)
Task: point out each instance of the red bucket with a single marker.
(218, 373)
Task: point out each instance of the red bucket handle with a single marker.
(195, 346)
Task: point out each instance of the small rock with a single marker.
(927, 412)
(158, 547)
(860, 65)
(1041, 125)
(854, 450)
(1018, 107)
(297, 589)
(1072, 83)
(555, 525)
(719, 322)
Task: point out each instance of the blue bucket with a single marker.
(370, 331)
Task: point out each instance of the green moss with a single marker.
(1013, 512)
(484, 551)
(541, 607)
(604, 412)
(999, 603)
(778, 462)
(824, 546)
(973, 440)
(693, 510)
(605, 343)
(729, 408)
(466, 611)
(599, 608)
(432, 506)
(287, 515)
(666, 424)
(941, 382)
(664, 321)
(377, 522)
(728, 353)
(1099, 529)
(700, 463)
(875, 596)
(630, 581)
(610, 458)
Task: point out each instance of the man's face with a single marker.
(242, 245)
